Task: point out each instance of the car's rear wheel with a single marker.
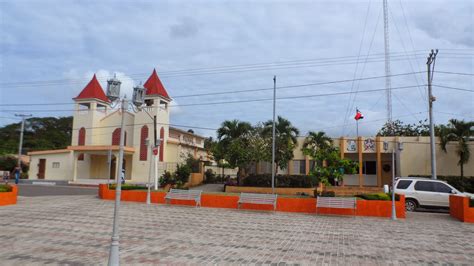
(410, 205)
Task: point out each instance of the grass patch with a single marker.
(378, 196)
(5, 188)
(128, 187)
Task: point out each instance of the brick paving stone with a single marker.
(76, 230)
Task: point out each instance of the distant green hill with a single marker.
(45, 133)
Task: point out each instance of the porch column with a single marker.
(290, 167)
(378, 145)
(74, 166)
(342, 146)
(359, 151)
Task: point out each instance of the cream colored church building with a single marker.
(96, 138)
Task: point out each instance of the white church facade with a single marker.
(92, 155)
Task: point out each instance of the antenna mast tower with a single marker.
(388, 82)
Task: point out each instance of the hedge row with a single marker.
(465, 184)
(5, 188)
(265, 180)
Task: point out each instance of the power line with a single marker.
(241, 101)
(452, 88)
(454, 73)
(352, 100)
(248, 90)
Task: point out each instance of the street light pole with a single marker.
(114, 255)
(148, 194)
(20, 146)
(273, 136)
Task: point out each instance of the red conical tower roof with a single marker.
(154, 86)
(93, 90)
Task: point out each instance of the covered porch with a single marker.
(93, 164)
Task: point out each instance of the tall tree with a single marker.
(459, 131)
(320, 147)
(285, 140)
(41, 133)
(233, 136)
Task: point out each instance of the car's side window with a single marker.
(442, 188)
(425, 186)
(403, 184)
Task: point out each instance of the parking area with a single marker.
(77, 229)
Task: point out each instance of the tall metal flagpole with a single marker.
(114, 255)
(273, 136)
(357, 124)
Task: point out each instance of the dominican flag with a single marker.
(358, 115)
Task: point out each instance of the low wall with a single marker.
(459, 208)
(194, 180)
(9, 198)
(373, 208)
(268, 190)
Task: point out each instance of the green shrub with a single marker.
(128, 187)
(5, 188)
(265, 180)
(166, 178)
(183, 171)
(193, 164)
(378, 196)
(465, 184)
(210, 177)
(325, 194)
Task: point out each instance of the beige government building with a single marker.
(374, 154)
(96, 138)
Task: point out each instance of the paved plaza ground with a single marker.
(77, 229)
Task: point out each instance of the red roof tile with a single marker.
(93, 90)
(154, 86)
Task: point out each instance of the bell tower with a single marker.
(157, 103)
(91, 105)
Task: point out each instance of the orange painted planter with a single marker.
(459, 209)
(9, 198)
(374, 208)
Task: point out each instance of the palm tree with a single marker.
(460, 131)
(233, 129)
(285, 139)
(232, 136)
(317, 140)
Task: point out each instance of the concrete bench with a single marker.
(182, 194)
(254, 198)
(336, 203)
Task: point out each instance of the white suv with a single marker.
(423, 192)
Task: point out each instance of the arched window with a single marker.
(81, 142)
(116, 137)
(143, 147)
(162, 137)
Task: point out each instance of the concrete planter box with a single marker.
(9, 198)
(375, 208)
(459, 208)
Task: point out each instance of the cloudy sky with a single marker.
(50, 49)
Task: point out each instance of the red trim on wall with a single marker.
(143, 148)
(162, 137)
